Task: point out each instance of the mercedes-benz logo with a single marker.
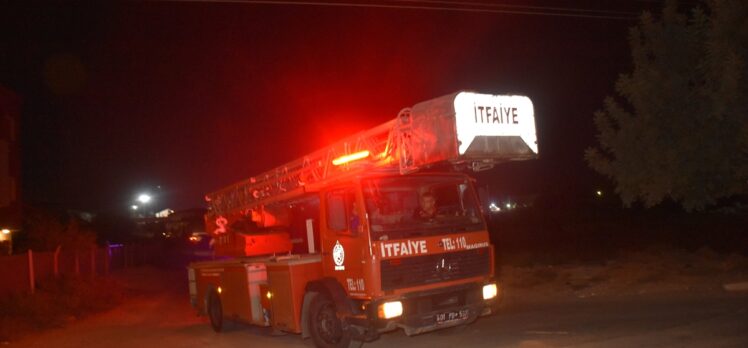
(444, 268)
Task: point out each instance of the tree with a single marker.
(681, 131)
(45, 231)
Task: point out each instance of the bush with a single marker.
(45, 230)
(55, 303)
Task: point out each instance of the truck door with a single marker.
(344, 243)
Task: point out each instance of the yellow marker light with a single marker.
(389, 310)
(219, 290)
(350, 158)
(269, 295)
(490, 291)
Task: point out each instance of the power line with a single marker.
(526, 10)
(495, 5)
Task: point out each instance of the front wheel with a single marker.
(326, 328)
(215, 311)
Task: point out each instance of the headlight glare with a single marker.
(389, 310)
(490, 291)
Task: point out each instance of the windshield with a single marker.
(399, 207)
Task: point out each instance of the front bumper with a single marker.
(420, 311)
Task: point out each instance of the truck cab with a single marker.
(411, 251)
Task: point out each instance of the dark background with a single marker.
(127, 96)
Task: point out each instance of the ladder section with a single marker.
(463, 129)
(373, 148)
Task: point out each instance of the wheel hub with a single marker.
(329, 325)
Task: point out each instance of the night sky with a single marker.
(192, 96)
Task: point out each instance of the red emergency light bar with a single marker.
(350, 158)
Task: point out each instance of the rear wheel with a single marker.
(215, 311)
(326, 328)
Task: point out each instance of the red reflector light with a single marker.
(350, 158)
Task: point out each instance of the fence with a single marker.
(21, 273)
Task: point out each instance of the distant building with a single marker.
(170, 224)
(10, 168)
(185, 223)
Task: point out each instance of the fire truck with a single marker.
(380, 231)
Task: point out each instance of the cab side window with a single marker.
(337, 219)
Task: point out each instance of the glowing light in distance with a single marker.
(599, 193)
(269, 295)
(219, 290)
(134, 207)
(144, 198)
(5, 231)
(350, 158)
(164, 213)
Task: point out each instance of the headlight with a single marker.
(389, 310)
(490, 291)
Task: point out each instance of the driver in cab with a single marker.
(427, 207)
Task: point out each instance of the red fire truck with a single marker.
(377, 232)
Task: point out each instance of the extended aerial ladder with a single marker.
(333, 162)
(463, 130)
(426, 134)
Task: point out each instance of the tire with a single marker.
(325, 327)
(215, 311)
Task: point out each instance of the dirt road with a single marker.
(157, 314)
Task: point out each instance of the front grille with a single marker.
(421, 270)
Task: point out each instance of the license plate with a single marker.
(447, 317)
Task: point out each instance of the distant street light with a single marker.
(5, 236)
(134, 207)
(144, 198)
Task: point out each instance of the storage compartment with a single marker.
(238, 284)
(287, 280)
(256, 277)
